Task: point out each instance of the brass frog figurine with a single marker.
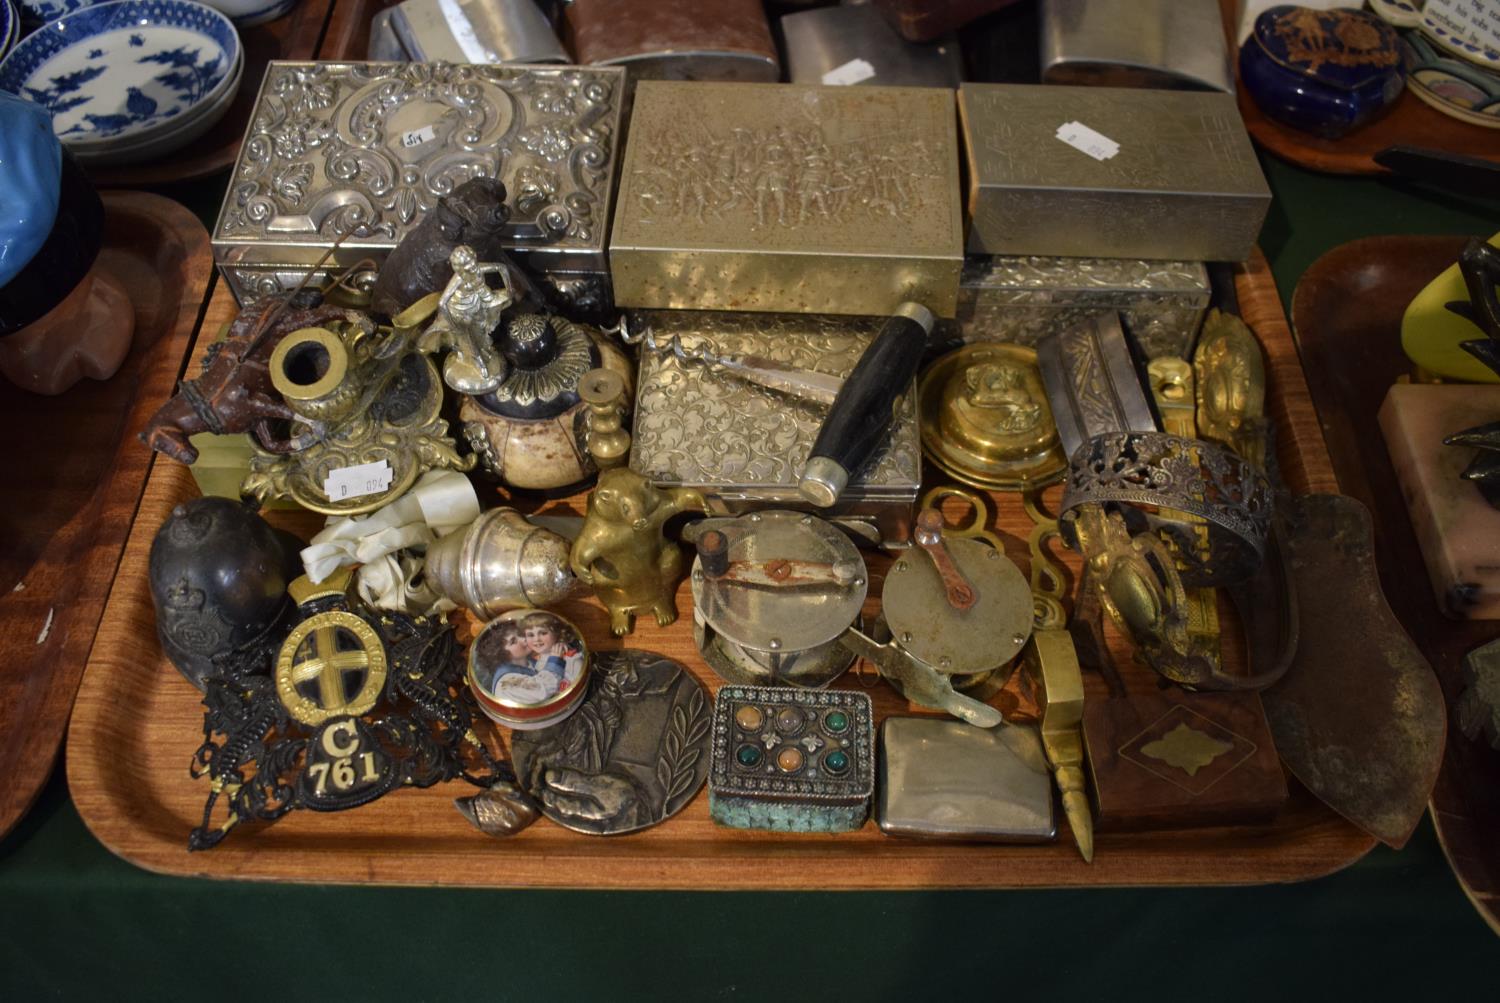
(621, 552)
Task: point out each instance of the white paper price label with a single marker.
(416, 137)
(852, 72)
(361, 479)
(1080, 137)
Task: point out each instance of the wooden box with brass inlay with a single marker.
(793, 198)
(1174, 759)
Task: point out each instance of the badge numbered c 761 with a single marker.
(353, 704)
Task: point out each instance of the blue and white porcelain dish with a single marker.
(125, 69)
(155, 145)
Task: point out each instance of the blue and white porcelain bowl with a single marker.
(117, 74)
(38, 12)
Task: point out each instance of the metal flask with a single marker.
(466, 31)
(499, 562)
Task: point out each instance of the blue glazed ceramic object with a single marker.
(119, 70)
(31, 164)
(1323, 72)
(51, 219)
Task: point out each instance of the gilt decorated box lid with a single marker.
(788, 197)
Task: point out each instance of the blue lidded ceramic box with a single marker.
(1326, 72)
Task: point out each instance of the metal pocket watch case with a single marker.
(772, 593)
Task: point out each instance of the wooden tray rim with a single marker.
(117, 477)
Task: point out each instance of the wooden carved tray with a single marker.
(1408, 122)
(293, 36)
(137, 723)
(1347, 312)
(74, 475)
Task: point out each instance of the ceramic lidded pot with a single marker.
(530, 431)
(528, 669)
(1326, 72)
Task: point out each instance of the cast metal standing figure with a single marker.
(472, 312)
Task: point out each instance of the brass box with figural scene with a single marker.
(783, 197)
(744, 445)
(363, 151)
(1110, 172)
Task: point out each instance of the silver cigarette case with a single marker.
(347, 156)
(1110, 172)
(744, 445)
(944, 779)
(1136, 43)
(466, 31)
(857, 45)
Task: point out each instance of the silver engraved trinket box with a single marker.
(1025, 299)
(743, 444)
(350, 156)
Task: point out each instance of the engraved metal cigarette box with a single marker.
(744, 445)
(1023, 299)
(782, 197)
(363, 150)
(1149, 173)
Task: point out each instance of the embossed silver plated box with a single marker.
(1148, 173)
(744, 445)
(785, 197)
(1024, 299)
(363, 150)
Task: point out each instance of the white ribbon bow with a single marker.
(382, 543)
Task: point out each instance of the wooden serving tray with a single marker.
(1408, 122)
(74, 475)
(137, 723)
(293, 36)
(1347, 311)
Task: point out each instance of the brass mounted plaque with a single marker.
(784, 197)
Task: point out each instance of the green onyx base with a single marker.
(782, 816)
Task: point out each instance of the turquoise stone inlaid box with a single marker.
(792, 760)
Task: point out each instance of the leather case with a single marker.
(705, 40)
(926, 20)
